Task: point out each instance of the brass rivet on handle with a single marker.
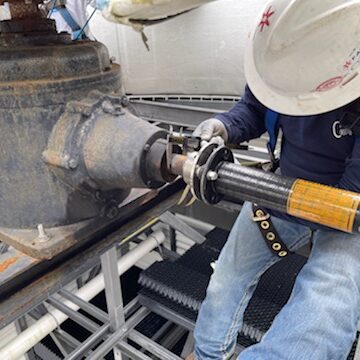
(259, 213)
(276, 246)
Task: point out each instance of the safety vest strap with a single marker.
(272, 127)
(76, 29)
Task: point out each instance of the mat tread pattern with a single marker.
(168, 284)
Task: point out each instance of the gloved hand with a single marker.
(210, 129)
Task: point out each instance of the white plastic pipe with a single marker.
(48, 323)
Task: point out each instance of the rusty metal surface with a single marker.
(21, 9)
(31, 101)
(39, 280)
(98, 144)
(53, 64)
(117, 148)
(13, 263)
(177, 164)
(63, 238)
(21, 28)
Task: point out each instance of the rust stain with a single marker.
(21, 9)
(7, 263)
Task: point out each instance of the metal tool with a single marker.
(213, 176)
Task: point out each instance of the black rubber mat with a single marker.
(150, 325)
(181, 286)
(199, 259)
(216, 239)
(175, 284)
(271, 294)
(171, 305)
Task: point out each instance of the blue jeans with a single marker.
(319, 321)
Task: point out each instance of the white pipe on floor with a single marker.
(48, 323)
(197, 224)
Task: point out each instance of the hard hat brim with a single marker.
(330, 95)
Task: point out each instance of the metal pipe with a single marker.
(48, 323)
(74, 315)
(197, 224)
(130, 351)
(152, 346)
(88, 343)
(177, 106)
(177, 164)
(245, 183)
(117, 336)
(325, 205)
(85, 306)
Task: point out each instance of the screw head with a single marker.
(73, 164)
(212, 176)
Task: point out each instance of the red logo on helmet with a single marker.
(347, 65)
(265, 21)
(330, 84)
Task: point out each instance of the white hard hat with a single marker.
(303, 57)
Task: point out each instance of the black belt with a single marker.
(269, 233)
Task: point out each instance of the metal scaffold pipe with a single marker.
(48, 323)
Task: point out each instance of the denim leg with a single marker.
(243, 260)
(320, 320)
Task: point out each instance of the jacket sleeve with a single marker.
(351, 177)
(246, 120)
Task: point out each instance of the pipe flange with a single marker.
(208, 193)
(199, 162)
(148, 178)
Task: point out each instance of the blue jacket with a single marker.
(311, 146)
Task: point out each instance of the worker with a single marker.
(70, 16)
(302, 66)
